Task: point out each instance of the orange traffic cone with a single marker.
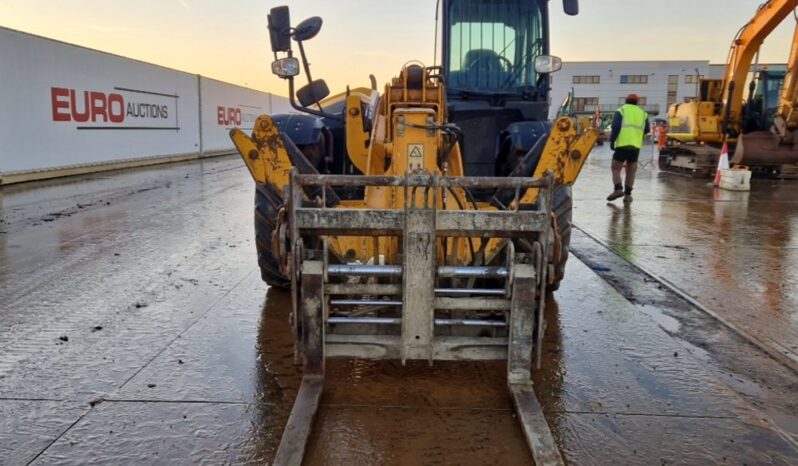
(723, 163)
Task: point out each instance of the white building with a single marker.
(717, 71)
(605, 84)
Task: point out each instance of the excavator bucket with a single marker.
(763, 148)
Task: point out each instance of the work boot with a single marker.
(627, 195)
(615, 195)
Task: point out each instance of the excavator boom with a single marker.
(788, 100)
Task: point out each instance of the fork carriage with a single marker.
(420, 307)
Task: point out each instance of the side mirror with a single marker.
(571, 7)
(545, 64)
(307, 29)
(280, 29)
(312, 93)
(286, 67)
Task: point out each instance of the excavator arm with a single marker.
(788, 100)
(744, 47)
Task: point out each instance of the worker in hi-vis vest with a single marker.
(629, 127)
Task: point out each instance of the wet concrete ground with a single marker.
(735, 252)
(134, 329)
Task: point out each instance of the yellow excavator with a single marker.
(759, 129)
(424, 222)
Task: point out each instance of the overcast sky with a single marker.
(227, 40)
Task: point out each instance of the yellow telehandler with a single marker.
(426, 221)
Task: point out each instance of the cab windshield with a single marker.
(493, 45)
(766, 96)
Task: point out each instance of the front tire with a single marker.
(268, 203)
(562, 206)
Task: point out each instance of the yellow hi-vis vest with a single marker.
(633, 126)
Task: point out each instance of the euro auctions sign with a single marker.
(234, 117)
(228, 116)
(121, 109)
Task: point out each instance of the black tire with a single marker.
(664, 162)
(268, 203)
(562, 205)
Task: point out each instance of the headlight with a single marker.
(547, 64)
(286, 67)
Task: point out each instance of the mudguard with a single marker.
(301, 129)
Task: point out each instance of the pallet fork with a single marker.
(416, 310)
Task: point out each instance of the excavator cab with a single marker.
(763, 101)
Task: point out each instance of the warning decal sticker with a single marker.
(416, 150)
